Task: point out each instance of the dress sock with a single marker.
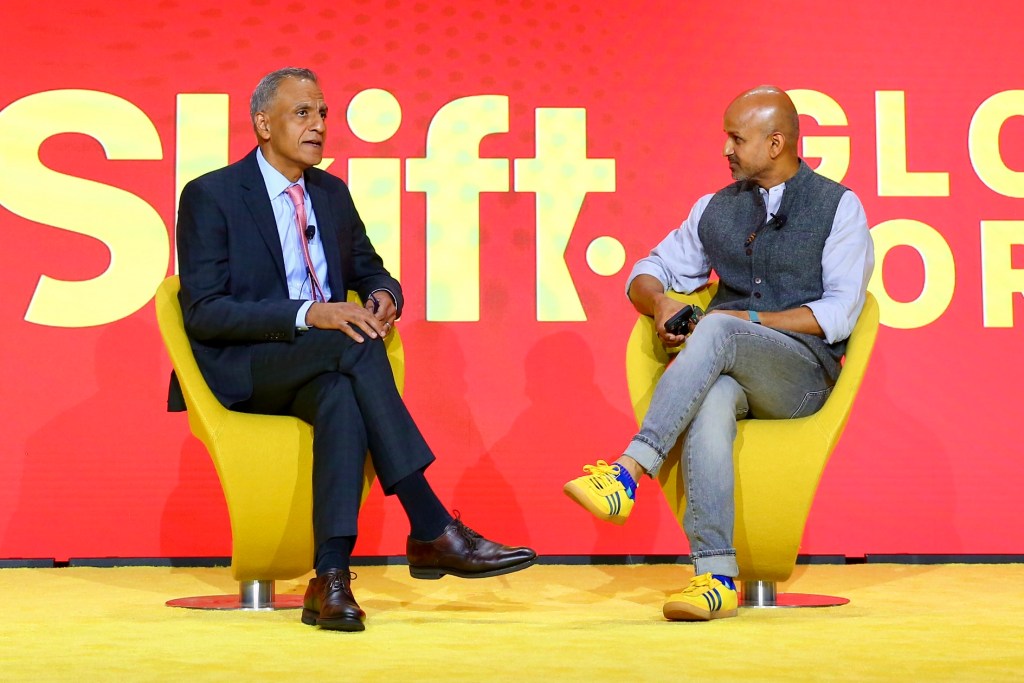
(727, 580)
(626, 479)
(334, 553)
(427, 516)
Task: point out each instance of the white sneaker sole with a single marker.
(684, 611)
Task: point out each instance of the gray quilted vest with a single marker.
(781, 267)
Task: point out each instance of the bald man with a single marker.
(793, 256)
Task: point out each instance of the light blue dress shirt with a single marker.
(294, 262)
(679, 262)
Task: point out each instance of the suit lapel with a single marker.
(254, 192)
(325, 219)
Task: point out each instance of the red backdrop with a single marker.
(921, 108)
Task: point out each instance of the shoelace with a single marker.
(337, 583)
(601, 467)
(464, 531)
(698, 585)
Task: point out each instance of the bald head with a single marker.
(770, 110)
(762, 128)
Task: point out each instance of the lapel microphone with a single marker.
(310, 232)
(776, 221)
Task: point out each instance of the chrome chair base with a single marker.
(765, 594)
(252, 595)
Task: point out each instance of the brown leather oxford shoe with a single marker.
(329, 603)
(462, 552)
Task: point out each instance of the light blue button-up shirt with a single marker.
(680, 263)
(294, 262)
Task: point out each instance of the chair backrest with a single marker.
(779, 464)
(205, 412)
(855, 364)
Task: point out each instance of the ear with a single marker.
(262, 126)
(776, 144)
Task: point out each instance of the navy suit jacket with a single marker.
(234, 293)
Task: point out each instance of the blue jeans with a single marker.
(729, 369)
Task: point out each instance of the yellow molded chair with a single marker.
(778, 463)
(264, 463)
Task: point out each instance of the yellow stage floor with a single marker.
(552, 623)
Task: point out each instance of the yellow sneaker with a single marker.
(601, 492)
(704, 599)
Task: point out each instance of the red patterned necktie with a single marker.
(299, 200)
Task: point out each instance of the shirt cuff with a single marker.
(300, 316)
(829, 320)
(645, 267)
(394, 298)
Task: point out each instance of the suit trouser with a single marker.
(346, 390)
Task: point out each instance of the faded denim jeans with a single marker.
(729, 369)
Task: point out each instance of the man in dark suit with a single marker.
(268, 248)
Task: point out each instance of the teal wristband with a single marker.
(754, 318)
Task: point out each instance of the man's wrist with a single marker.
(375, 294)
(301, 323)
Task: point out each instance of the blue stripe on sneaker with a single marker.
(719, 596)
(707, 599)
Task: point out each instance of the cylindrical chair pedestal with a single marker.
(765, 594)
(252, 595)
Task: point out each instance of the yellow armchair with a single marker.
(264, 463)
(778, 463)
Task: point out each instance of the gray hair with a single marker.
(266, 90)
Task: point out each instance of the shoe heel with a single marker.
(309, 617)
(428, 573)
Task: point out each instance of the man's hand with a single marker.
(341, 316)
(649, 298)
(664, 308)
(383, 308)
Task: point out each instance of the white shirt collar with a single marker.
(274, 180)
